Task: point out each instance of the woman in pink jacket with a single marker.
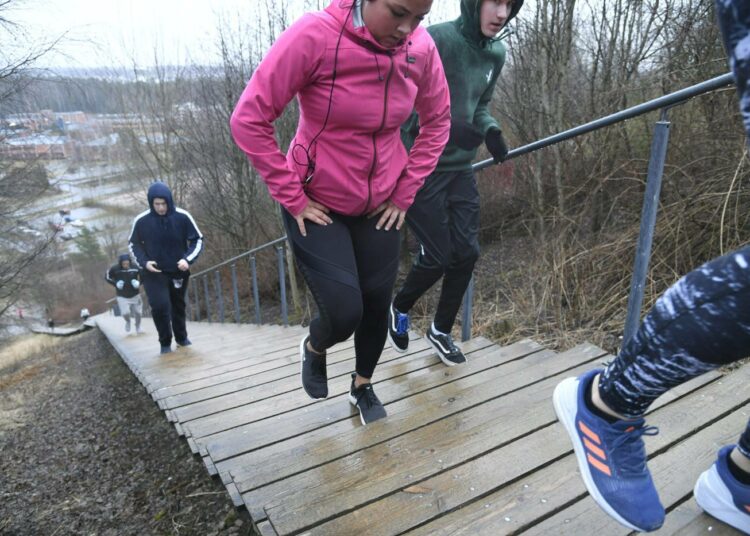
(358, 69)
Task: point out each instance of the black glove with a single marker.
(496, 145)
(465, 135)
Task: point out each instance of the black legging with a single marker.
(350, 268)
(167, 304)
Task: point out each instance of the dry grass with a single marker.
(574, 286)
(13, 356)
(14, 378)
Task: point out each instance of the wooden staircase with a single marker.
(473, 449)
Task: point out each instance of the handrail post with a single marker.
(648, 222)
(188, 305)
(235, 294)
(219, 297)
(282, 285)
(197, 308)
(208, 298)
(256, 294)
(467, 311)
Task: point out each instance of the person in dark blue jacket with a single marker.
(165, 242)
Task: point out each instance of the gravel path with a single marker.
(86, 451)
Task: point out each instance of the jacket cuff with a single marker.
(401, 204)
(296, 208)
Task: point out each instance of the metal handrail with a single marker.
(665, 101)
(650, 198)
(241, 256)
(217, 301)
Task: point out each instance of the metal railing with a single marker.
(217, 302)
(643, 253)
(659, 145)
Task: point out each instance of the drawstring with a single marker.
(405, 71)
(377, 64)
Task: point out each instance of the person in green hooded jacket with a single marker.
(445, 213)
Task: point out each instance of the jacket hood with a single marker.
(159, 189)
(124, 257)
(470, 24)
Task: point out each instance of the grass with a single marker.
(13, 356)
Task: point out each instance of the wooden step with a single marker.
(406, 459)
(292, 398)
(472, 449)
(414, 411)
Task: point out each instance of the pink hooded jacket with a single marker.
(359, 160)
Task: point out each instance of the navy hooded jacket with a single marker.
(126, 275)
(164, 239)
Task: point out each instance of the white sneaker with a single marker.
(722, 496)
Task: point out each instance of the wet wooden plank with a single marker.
(283, 378)
(338, 374)
(674, 477)
(335, 487)
(297, 454)
(224, 349)
(234, 494)
(465, 493)
(265, 529)
(688, 519)
(674, 472)
(143, 349)
(297, 400)
(461, 451)
(333, 411)
(155, 371)
(287, 352)
(240, 370)
(271, 392)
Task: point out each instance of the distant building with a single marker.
(36, 146)
(44, 119)
(105, 148)
(134, 122)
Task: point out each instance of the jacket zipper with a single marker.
(374, 134)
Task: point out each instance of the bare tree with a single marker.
(19, 184)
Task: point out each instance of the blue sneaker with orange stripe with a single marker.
(611, 457)
(722, 496)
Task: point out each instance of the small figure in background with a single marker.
(127, 282)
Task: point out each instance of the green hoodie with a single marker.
(472, 64)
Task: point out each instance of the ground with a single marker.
(86, 451)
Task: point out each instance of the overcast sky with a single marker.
(99, 30)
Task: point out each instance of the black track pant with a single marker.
(167, 303)
(445, 219)
(700, 323)
(350, 268)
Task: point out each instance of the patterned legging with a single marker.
(697, 325)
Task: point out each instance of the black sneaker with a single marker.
(398, 330)
(366, 401)
(166, 349)
(185, 342)
(448, 352)
(313, 371)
